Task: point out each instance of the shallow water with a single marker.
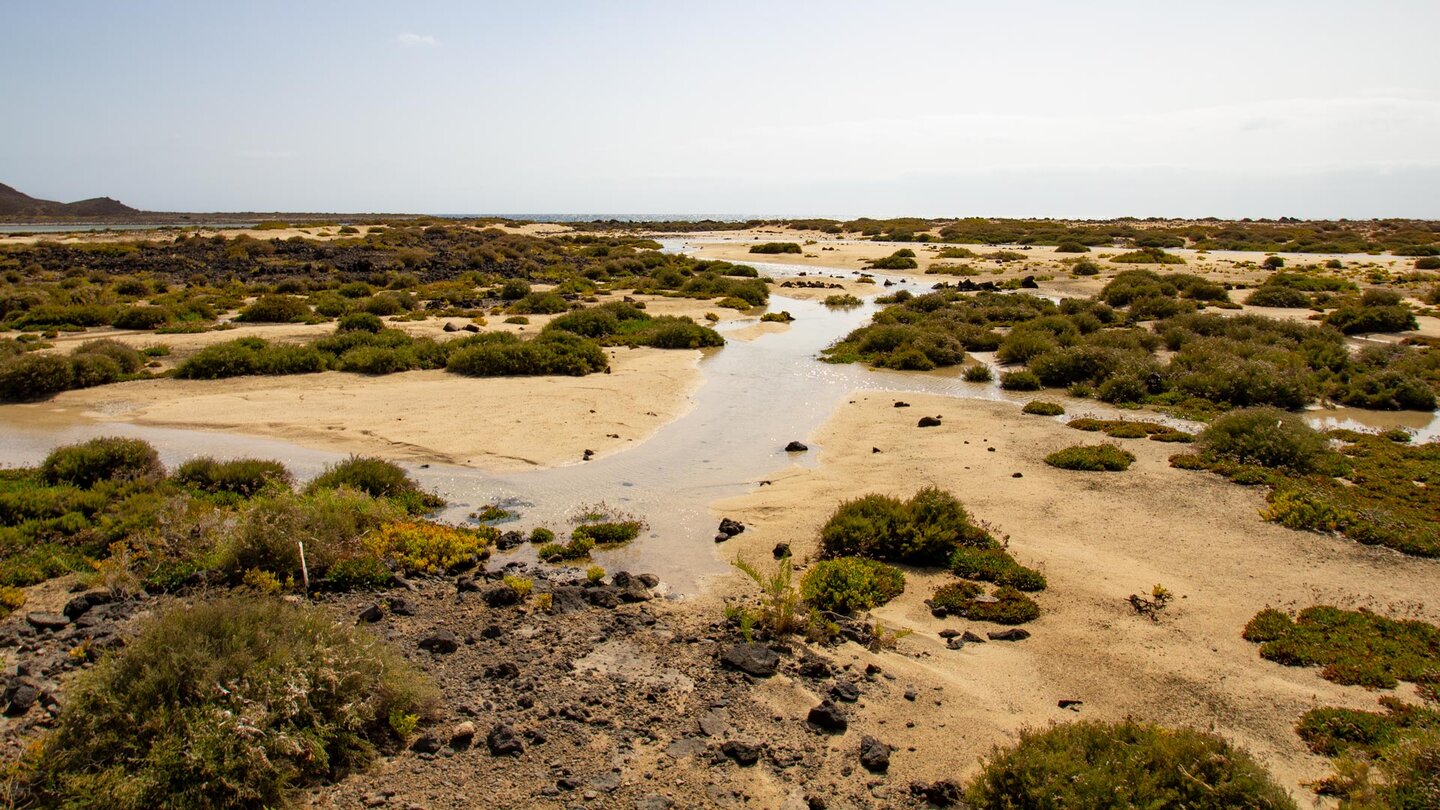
(756, 396)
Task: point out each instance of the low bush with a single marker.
(1123, 764)
(842, 300)
(109, 458)
(551, 353)
(1274, 295)
(1092, 458)
(251, 356)
(226, 704)
(979, 373)
(850, 584)
(276, 309)
(422, 547)
(1006, 606)
(924, 530)
(1387, 759)
(608, 533)
(1267, 437)
(994, 564)
(1040, 407)
(540, 303)
(1147, 256)
(775, 247)
(245, 477)
(1020, 381)
(903, 259)
(1071, 247)
(1352, 646)
(1355, 320)
(360, 322)
(377, 478)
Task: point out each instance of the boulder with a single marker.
(400, 606)
(46, 621)
(828, 717)
(605, 596)
(80, 604)
(874, 755)
(503, 742)
(744, 753)
(462, 735)
(928, 421)
(781, 551)
(795, 447)
(1010, 634)
(371, 613)
(500, 596)
(752, 659)
(731, 527)
(944, 793)
(440, 641)
(845, 691)
(426, 744)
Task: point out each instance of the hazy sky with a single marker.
(1305, 108)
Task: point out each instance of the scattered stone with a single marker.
(954, 643)
(945, 793)
(1011, 634)
(901, 404)
(19, 696)
(79, 605)
(828, 716)
(46, 621)
(441, 642)
(928, 421)
(400, 606)
(743, 753)
(731, 527)
(971, 637)
(470, 327)
(989, 449)
(1028, 283)
(874, 450)
(605, 596)
(503, 742)
(426, 744)
(500, 595)
(1071, 704)
(462, 735)
(714, 724)
(795, 447)
(781, 551)
(371, 613)
(509, 540)
(752, 659)
(451, 327)
(911, 694)
(589, 454)
(721, 537)
(846, 691)
(1016, 475)
(648, 580)
(653, 801)
(874, 755)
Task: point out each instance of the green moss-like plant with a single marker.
(850, 584)
(1092, 458)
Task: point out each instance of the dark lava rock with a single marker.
(450, 327)
(1028, 283)
(743, 753)
(901, 404)
(781, 551)
(371, 613)
(911, 694)
(795, 447)
(1072, 705)
(502, 671)
(500, 596)
(648, 580)
(503, 742)
(815, 667)
(828, 716)
(426, 744)
(732, 527)
(721, 537)
(654, 801)
(79, 605)
(634, 592)
(752, 659)
(1016, 475)
(509, 540)
(442, 642)
(620, 579)
(400, 606)
(971, 637)
(874, 450)
(874, 755)
(605, 596)
(568, 598)
(945, 793)
(466, 584)
(939, 612)
(846, 691)
(1011, 634)
(19, 696)
(470, 327)
(928, 421)
(46, 621)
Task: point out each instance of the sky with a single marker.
(1054, 108)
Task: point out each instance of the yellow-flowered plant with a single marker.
(431, 548)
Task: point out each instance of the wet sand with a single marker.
(1098, 537)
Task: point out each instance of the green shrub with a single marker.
(608, 533)
(924, 530)
(514, 289)
(422, 547)
(842, 300)
(978, 373)
(227, 704)
(541, 535)
(1274, 295)
(245, 477)
(1040, 407)
(1071, 246)
(994, 564)
(1354, 320)
(1147, 256)
(1123, 764)
(540, 303)
(1009, 606)
(377, 478)
(1085, 267)
(1267, 437)
(850, 584)
(360, 322)
(1020, 381)
(275, 309)
(1092, 458)
(552, 353)
(108, 458)
(1352, 646)
(775, 247)
(142, 317)
(903, 259)
(249, 356)
(35, 376)
(332, 523)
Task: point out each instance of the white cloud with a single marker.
(412, 40)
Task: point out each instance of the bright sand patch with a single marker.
(495, 423)
(1098, 537)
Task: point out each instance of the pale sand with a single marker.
(1098, 537)
(495, 424)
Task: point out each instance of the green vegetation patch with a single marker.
(925, 530)
(968, 600)
(230, 703)
(1040, 407)
(851, 584)
(1123, 764)
(776, 247)
(1092, 458)
(1352, 646)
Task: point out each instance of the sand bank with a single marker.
(494, 424)
(1098, 537)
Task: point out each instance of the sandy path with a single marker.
(493, 423)
(1098, 537)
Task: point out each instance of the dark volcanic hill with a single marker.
(16, 204)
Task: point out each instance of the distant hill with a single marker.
(14, 203)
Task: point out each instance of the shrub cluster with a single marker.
(851, 584)
(245, 477)
(1352, 646)
(377, 478)
(1092, 457)
(775, 247)
(34, 375)
(924, 530)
